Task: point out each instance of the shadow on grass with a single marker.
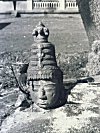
(3, 25)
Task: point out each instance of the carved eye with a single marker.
(36, 88)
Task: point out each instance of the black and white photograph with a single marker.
(49, 66)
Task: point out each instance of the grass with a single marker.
(67, 33)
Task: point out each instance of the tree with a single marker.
(90, 13)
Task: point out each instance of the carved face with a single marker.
(46, 93)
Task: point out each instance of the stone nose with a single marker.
(42, 94)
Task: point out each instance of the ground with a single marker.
(80, 115)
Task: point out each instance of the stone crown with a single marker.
(40, 33)
(43, 63)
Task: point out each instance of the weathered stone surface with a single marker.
(44, 77)
(81, 114)
(90, 12)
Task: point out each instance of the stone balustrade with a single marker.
(43, 5)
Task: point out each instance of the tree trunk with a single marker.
(90, 13)
(14, 4)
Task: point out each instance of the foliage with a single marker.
(15, 58)
(93, 65)
(73, 65)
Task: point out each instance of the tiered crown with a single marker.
(42, 63)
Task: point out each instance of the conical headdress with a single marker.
(43, 63)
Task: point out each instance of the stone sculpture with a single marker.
(44, 77)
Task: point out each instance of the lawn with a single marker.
(67, 33)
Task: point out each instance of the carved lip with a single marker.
(42, 103)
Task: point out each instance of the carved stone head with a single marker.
(46, 93)
(44, 76)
